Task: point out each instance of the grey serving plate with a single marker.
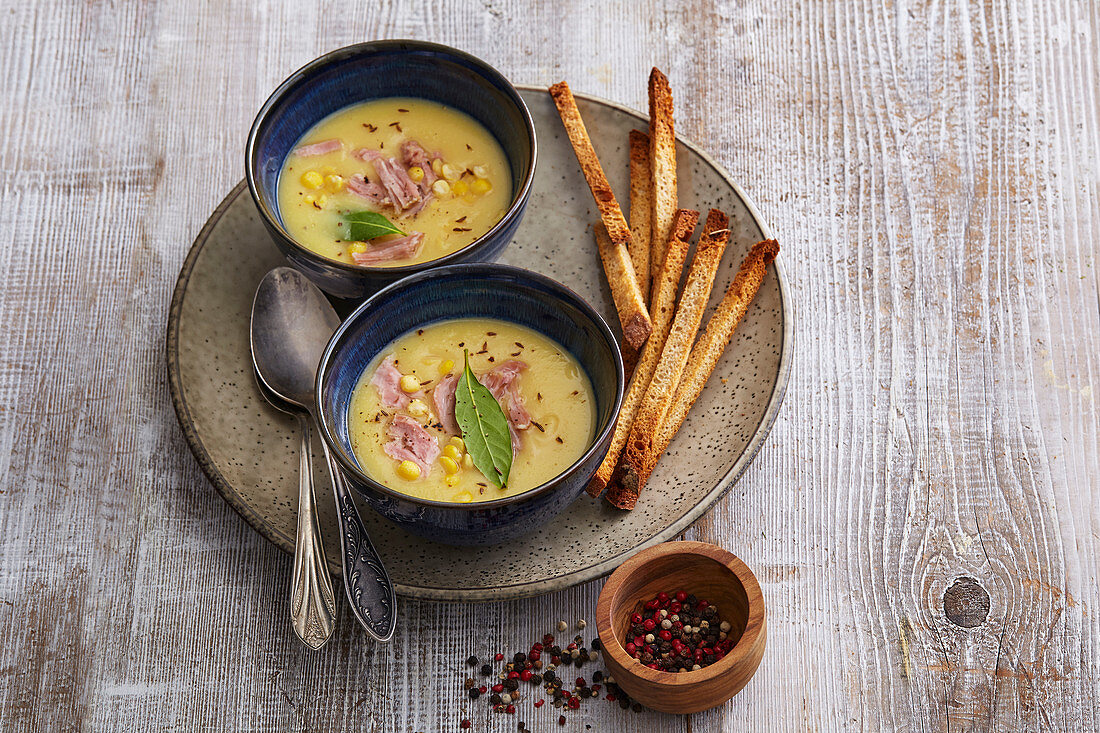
(249, 451)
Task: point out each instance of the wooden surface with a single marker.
(924, 519)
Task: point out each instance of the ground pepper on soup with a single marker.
(434, 175)
(403, 428)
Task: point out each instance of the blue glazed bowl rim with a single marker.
(302, 75)
(474, 270)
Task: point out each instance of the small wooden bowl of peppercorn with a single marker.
(698, 613)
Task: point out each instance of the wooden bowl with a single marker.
(709, 572)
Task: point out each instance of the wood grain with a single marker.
(930, 170)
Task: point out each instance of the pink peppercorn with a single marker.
(681, 596)
(511, 709)
(497, 688)
(539, 703)
(498, 657)
(630, 648)
(525, 675)
(636, 618)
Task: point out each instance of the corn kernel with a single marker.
(416, 173)
(334, 183)
(409, 384)
(452, 452)
(481, 185)
(308, 199)
(481, 171)
(458, 442)
(437, 166)
(312, 179)
(441, 187)
(449, 465)
(408, 470)
(462, 497)
(321, 200)
(446, 366)
(460, 188)
(418, 408)
(450, 172)
(467, 461)
(357, 247)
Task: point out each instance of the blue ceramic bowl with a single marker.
(460, 291)
(376, 70)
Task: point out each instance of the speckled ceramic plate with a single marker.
(250, 451)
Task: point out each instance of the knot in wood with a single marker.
(966, 603)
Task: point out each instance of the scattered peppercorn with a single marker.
(464, 724)
(472, 661)
(474, 693)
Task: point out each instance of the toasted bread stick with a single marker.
(633, 311)
(639, 457)
(665, 308)
(716, 337)
(641, 210)
(662, 161)
(633, 314)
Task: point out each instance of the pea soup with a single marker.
(402, 417)
(393, 181)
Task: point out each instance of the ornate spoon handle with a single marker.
(366, 581)
(312, 605)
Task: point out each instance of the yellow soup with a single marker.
(401, 417)
(433, 172)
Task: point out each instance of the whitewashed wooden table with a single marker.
(931, 170)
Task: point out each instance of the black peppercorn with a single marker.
(637, 707)
(519, 658)
(495, 699)
(536, 679)
(624, 703)
(511, 684)
(549, 675)
(474, 693)
(486, 669)
(597, 676)
(472, 661)
(596, 644)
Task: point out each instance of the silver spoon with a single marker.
(291, 324)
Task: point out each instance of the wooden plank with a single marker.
(930, 171)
